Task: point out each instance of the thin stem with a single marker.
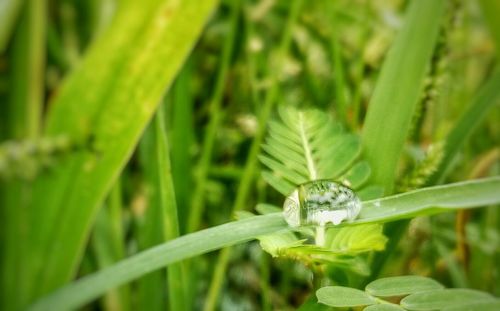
(215, 120)
(251, 163)
(168, 206)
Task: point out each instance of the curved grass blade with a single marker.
(453, 196)
(194, 244)
(475, 193)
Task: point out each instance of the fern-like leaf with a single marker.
(307, 145)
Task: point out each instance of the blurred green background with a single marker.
(81, 78)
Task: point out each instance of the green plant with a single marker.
(417, 293)
(131, 133)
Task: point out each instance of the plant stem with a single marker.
(168, 206)
(251, 163)
(197, 205)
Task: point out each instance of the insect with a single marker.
(320, 202)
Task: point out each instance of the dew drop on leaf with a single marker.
(320, 202)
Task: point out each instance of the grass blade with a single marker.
(487, 97)
(398, 90)
(480, 192)
(442, 198)
(168, 206)
(91, 287)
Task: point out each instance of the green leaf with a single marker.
(169, 217)
(439, 299)
(475, 193)
(355, 239)
(383, 307)
(338, 296)
(307, 145)
(493, 305)
(398, 90)
(105, 104)
(401, 285)
(275, 243)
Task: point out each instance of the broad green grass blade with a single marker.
(398, 90)
(487, 97)
(91, 287)
(449, 197)
(105, 104)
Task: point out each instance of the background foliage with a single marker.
(125, 124)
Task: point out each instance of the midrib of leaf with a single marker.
(311, 167)
(420, 202)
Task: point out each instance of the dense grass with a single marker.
(127, 127)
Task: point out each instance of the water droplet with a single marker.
(320, 202)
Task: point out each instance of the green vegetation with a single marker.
(137, 138)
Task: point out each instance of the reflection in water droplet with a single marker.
(320, 202)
